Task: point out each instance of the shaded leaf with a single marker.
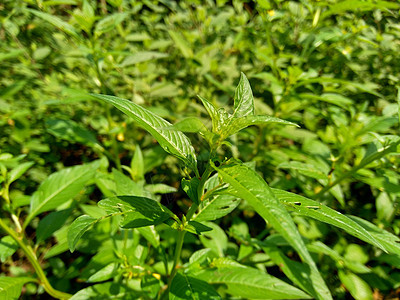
(8, 246)
(51, 223)
(190, 188)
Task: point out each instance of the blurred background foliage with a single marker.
(330, 66)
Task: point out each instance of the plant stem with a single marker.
(177, 255)
(30, 254)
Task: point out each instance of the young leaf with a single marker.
(60, 187)
(77, 229)
(11, 287)
(191, 124)
(240, 123)
(320, 212)
(108, 272)
(213, 112)
(248, 283)
(174, 142)
(244, 101)
(247, 184)
(137, 165)
(8, 246)
(184, 287)
(137, 211)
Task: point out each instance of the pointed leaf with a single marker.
(174, 142)
(11, 287)
(60, 187)
(51, 223)
(304, 169)
(240, 123)
(320, 212)
(109, 23)
(191, 124)
(197, 227)
(105, 273)
(141, 56)
(77, 229)
(125, 186)
(18, 171)
(181, 43)
(137, 211)
(106, 290)
(248, 283)
(57, 22)
(184, 287)
(244, 101)
(247, 184)
(137, 164)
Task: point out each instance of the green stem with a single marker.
(30, 254)
(177, 255)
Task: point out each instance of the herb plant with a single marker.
(208, 207)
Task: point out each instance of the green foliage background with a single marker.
(329, 66)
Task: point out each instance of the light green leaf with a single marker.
(60, 187)
(109, 23)
(8, 246)
(11, 287)
(240, 123)
(51, 223)
(247, 184)
(320, 212)
(181, 43)
(184, 287)
(215, 204)
(108, 272)
(213, 112)
(141, 56)
(244, 101)
(191, 124)
(57, 22)
(150, 234)
(174, 142)
(78, 228)
(303, 168)
(137, 164)
(215, 239)
(125, 186)
(389, 242)
(248, 283)
(137, 211)
(357, 287)
(18, 171)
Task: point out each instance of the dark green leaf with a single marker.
(190, 188)
(184, 287)
(51, 223)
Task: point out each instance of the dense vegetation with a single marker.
(98, 203)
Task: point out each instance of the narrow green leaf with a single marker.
(244, 101)
(174, 142)
(11, 287)
(181, 43)
(247, 184)
(51, 223)
(323, 213)
(142, 56)
(304, 169)
(8, 246)
(248, 283)
(299, 273)
(77, 229)
(389, 242)
(57, 22)
(137, 211)
(184, 287)
(18, 171)
(240, 123)
(60, 187)
(197, 227)
(137, 164)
